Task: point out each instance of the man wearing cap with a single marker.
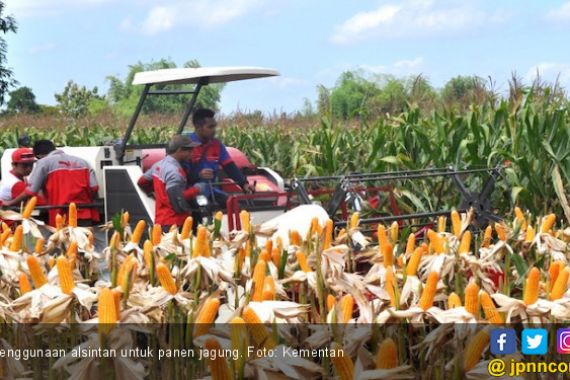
(15, 182)
(167, 179)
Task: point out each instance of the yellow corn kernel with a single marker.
(474, 350)
(394, 231)
(487, 236)
(245, 220)
(206, 316)
(465, 245)
(36, 271)
(156, 234)
(387, 355)
(72, 215)
(138, 232)
(66, 281)
(258, 277)
(489, 308)
(59, 222)
(530, 234)
(24, 283)
(390, 286)
(547, 223)
(561, 285)
(17, 239)
(186, 228)
(354, 220)
(343, 364)
(107, 311)
(437, 241)
(501, 231)
(202, 247)
(346, 308)
(412, 268)
(218, 365)
(239, 339)
(302, 260)
(382, 236)
(553, 272)
(530, 295)
(268, 288)
(165, 278)
(411, 244)
(428, 293)
(388, 254)
(127, 272)
(256, 329)
(328, 234)
(276, 256)
(472, 298)
(456, 223)
(331, 301)
(295, 238)
(453, 301)
(30, 205)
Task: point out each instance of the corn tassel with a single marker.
(411, 244)
(387, 355)
(428, 293)
(268, 288)
(441, 222)
(186, 228)
(412, 268)
(24, 283)
(218, 365)
(530, 234)
(474, 350)
(388, 254)
(107, 311)
(342, 363)
(30, 205)
(394, 232)
(346, 308)
(206, 317)
(561, 285)
(465, 245)
(156, 234)
(472, 298)
(487, 237)
(138, 232)
(258, 277)
(547, 223)
(66, 281)
(456, 223)
(390, 285)
(72, 215)
(302, 260)
(202, 247)
(257, 330)
(17, 239)
(453, 301)
(328, 234)
(36, 271)
(165, 278)
(532, 286)
(59, 222)
(489, 308)
(245, 220)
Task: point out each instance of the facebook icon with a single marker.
(503, 341)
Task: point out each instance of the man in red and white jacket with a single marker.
(167, 179)
(14, 183)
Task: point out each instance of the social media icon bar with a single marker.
(563, 341)
(504, 341)
(535, 341)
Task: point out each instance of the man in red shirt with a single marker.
(167, 179)
(14, 183)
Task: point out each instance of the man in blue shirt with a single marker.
(211, 157)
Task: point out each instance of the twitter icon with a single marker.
(534, 341)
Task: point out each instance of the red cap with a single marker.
(23, 156)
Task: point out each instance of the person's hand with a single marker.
(247, 188)
(207, 174)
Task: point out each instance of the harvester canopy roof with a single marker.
(205, 75)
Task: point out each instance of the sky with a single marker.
(310, 42)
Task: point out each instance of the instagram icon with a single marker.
(563, 341)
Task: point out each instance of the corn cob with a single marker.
(186, 228)
(354, 220)
(4, 226)
(295, 238)
(276, 256)
(147, 253)
(411, 244)
(258, 277)
(520, 218)
(245, 220)
(412, 268)
(36, 271)
(387, 355)
(264, 255)
(71, 253)
(388, 254)
(437, 241)
(138, 232)
(342, 363)
(331, 301)
(456, 223)
(382, 237)
(390, 286)
(117, 299)
(561, 285)
(302, 260)
(441, 222)
(125, 219)
(156, 234)
(315, 227)
(547, 223)
(218, 365)
(474, 350)
(5, 235)
(346, 308)
(268, 288)
(30, 205)
(465, 245)
(202, 247)
(107, 311)
(472, 298)
(39, 246)
(269, 245)
(72, 215)
(553, 272)
(328, 234)
(66, 281)
(257, 330)
(115, 240)
(24, 283)
(530, 295)
(51, 262)
(489, 308)
(487, 236)
(428, 293)
(501, 231)
(453, 301)
(394, 231)
(206, 317)
(166, 279)
(218, 216)
(17, 239)
(59, 222)
(530, 234)
(238, 337)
